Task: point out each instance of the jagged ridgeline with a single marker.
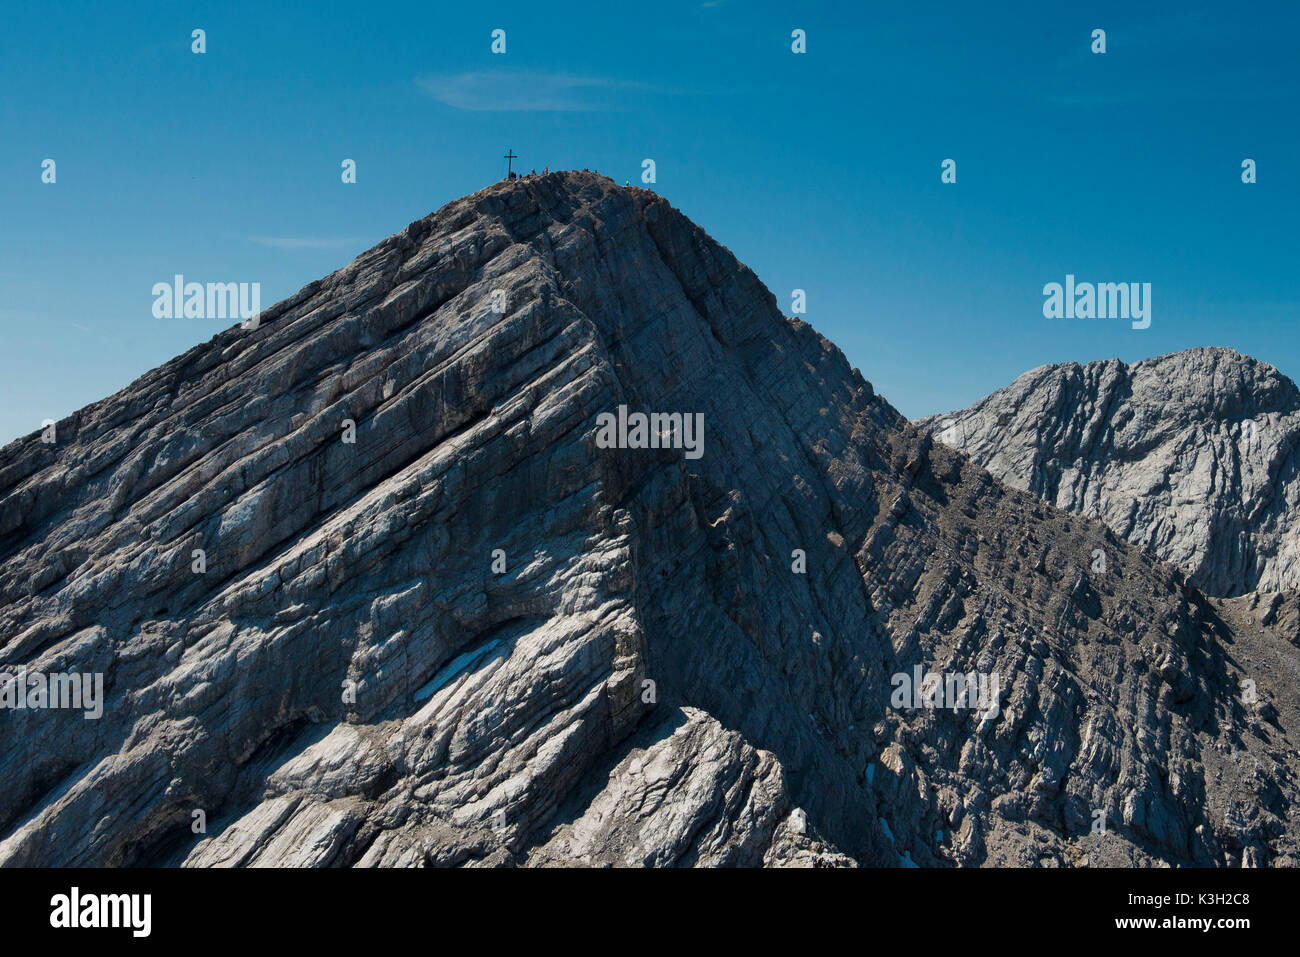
(364, 588)
(1195, 455)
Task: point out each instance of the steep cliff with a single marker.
(477, 634)
(1195, 455)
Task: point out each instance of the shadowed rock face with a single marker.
(684, 661)
(1195, 455)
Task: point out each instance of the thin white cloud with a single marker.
(503, 91)
(302, 242)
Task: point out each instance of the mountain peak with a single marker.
(536, 534)
(1192, 454)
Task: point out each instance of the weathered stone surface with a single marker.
(1195, 455)
(696, 794)
(648, 681)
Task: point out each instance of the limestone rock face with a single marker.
(476, 635)
(1194, 455)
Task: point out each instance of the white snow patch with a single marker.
(453, 668)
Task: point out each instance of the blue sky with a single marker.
(821, 171)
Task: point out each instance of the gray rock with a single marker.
(681, 661)
(1194, 455)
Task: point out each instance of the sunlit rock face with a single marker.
(1194, 455)
(364, 588)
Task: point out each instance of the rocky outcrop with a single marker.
(366, 588)
(1194, 455)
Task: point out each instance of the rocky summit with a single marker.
(364, 589)
(1194, 455)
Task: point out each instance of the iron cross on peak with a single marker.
(510, 157)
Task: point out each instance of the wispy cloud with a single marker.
(303, 242)
(527, 92)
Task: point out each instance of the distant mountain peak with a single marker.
(1194, 454)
